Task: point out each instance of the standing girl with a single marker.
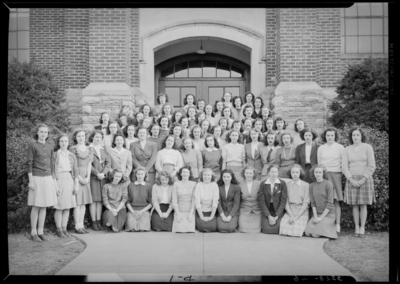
(249, 98)
(162, 98)
(227, 114)
(233, 155)
(258, 104)
(299, 126)
(205, 127)
(285, 156)
(209, 114)
(224, 131)
(146, 110)
(268, 152)
(191, 115)
(258, 126)
(121, 159)
(129, 132)
(169, 159)
(176, 117)
(306, 153)
(104, 121)
(100, 168)
(192, 158)
(176, 131)
(269, 124)
(279, 127)
(237, 104)
(216, 131)
(84, 195)
(253, 153)
(212, 155)
(200, 105)
(167, 110)
(65, 170)
(113, 129)
(218, 106)
(264, 113)
(196, 138)
(189, 101)
(248, 112)
(165, 124)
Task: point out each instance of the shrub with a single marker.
(363, 96)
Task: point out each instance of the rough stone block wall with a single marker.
(270, 48)
(46, 40)
(108, 54)
(134, 40)
(328, 49)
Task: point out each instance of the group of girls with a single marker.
(231, 158)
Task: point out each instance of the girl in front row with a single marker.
(161, 195)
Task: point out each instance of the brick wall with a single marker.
(135, 17)
(46, 39)
(278, 46)
(270, 47)
(108, 46)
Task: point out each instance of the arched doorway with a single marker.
(207, 76)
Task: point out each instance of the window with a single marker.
(364, 28)
(18, 34)
(202, 69)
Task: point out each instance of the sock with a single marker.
(59, 229)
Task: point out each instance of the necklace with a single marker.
(79, 156)
(284, 153)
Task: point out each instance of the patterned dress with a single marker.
(183, 201)
(84, 158)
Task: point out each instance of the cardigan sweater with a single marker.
(39, 158)
(122, 161)
(73, 163)
(206, 196)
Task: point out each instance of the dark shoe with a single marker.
(35, 238)
(64, 230)
(94, 226)
(60, 234)
(99, 225)
(43, 238)
(79, 231)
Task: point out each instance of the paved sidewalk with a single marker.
(157, 256)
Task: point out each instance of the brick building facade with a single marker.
(105, 58)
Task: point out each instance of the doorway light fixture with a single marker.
(201, 50)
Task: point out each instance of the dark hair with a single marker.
(216, 144)
(202, 172)
(120, 111)
(283, 134)
(209, 125)
(273, 166)
(363, 136)
(161, 95)
(265, 123)
(108, 127)
(215, 106)
(324, 173)
(235, 98)
(139, 128)
(136, 122)
(174, 113)
(212, 109)
(228, 138)
(151, 129)
(246, 107)
(113, 145)
(312, 131)
(194, 127)
(191, 107)
(331, 129)
(161, 117)
(74, 136)
(36, 136)
(125, 130)
(185, 99)
(196, 120)
(185, 167)
(163, 107)
(140, 168)
(295, 124)
(163, 145)
(213, 128)
(253, 97)
(265, 139)
(91, 136)
(112, 174)
(302, 172)
(249, 168)
(238, 121)
(150, 112)
(167, 175)
(57, 141)
(222, 98)
(220, 182)
(171, 130)
(259, 135)
(101, 117)
(262, 123)
(180, 120)
(245, 119)
(183, 148)
(197, 104)
(223, 110)
(262, 102)
(279, 119)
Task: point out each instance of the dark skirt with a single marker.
(307, 177)
(96, 186)
(194, 179)
(227, 227)
(206, 227)
(118, 221)
(160, 224)
(266, 228)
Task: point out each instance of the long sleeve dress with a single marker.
(206, 198)
(183, 202)
(193, 159)
(298, 201)
(84, 195)
(321, 197)
(139, 197)
(113, 195)
(234, 155)
(212, 159)
(101, 164)
(285, 158)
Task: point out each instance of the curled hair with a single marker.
(363, 136)
(101, 117)
(295, 124)
(185, 99)
(331, 129)
(228, 138)
(197, 104)
(76, 133)
(223, 99)
(171, 130)
(150, 111)
(221, 182)
(161, 117)
(113, 145)
(140, 168)
(182, 118)
(265, 124)
(238, 121)
(202, 172)
(91, 136)
(201, 125)
(112, 174)
(279, 119)
(230, 111)
(252, 99)
(265, 139)
(312, 131)
(262, 102)
(302, 172)
(216, 144)
(57, 141)
(125, 130)
(324, 175)
(259, 135)
(246, 107)
(262, 123)
(183, 148)
(191, 107)
(212, 109)
(163, 107)
(113, 122)
(185, 167)
(234, 100)
(136, 121)
(174, 113)
(273, 166)
(212, 130)
(246, 119)
(164, 143)
(166, 175)
(162, 95)
(248, 168)
(286, 133)
(197, 119)
(195, 127)
(151, 129)
(36, 136)
(215, 106)
(122, 108)
(139, 128)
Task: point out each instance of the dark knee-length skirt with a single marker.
(206, 227)
(160, 224)
(266, 228)
(118, 221)
(227, 227)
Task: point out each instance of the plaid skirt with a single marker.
(297, 228)
(143, 223)
(363, 195)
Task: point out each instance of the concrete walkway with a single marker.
(164, 256)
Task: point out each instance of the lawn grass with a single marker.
(367, 258)
(41, 258)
